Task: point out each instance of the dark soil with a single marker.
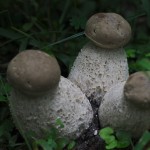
(90, 139)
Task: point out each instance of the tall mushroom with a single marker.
(126, 105)
(102, 62)
(40, 96)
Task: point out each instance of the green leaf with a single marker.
(52, 143)
(62, 142)
(112, 145)
(123, 138)
(27, 26)
(71, 145)
(10, 34)
(7, 87)
(53, 133)
(147, 55)
(59, 123)
(44, 145)
(24, 44)
(107, 135)
(131, 53)
(144, 64)
(105, 132)
(143, 141)
(110, 139)
(3, 98)
(48, 51)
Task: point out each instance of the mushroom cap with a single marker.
(137, 89)
(33, 72)
(108, 30)
(95, 70)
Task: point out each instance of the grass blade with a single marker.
(65, 39)
(143, 141)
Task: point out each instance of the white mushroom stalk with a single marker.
(103, 62)
(126, 105)
(37, 107)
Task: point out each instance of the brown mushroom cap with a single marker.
(33, 72)
(137, 89)
(108, 30)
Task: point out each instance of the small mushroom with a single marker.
(36, 112)
(102, 62)
(120, 109)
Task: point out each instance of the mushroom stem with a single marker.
(120, 112)
(96, 69)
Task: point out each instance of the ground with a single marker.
(90, 140)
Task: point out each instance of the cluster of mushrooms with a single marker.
(40, 94)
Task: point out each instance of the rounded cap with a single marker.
(137, 89)
(33, 72)
(108, 30)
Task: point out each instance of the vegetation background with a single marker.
(39, 24)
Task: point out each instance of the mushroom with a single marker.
(40, 96)
(102, 63)
(126, 105)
